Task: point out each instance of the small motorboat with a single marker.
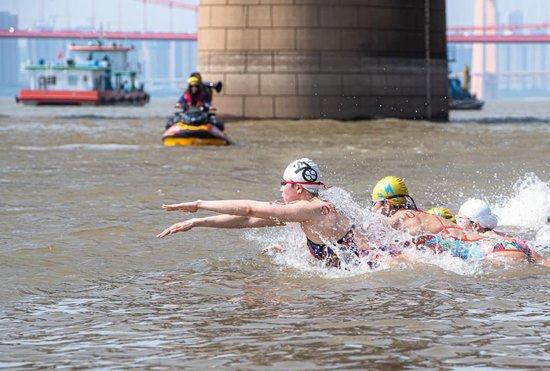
(195, 127)
(460, 96)
(466, 103)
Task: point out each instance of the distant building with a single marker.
(9, 55)
(522, 68)
(166, 65)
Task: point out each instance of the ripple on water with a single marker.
(87, 284)
(82, 146)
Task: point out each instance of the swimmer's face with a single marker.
(382, 207)
(194, 89)
(464, 222)
(289, 192)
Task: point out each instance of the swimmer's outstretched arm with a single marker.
(219, 221)
(299, 211)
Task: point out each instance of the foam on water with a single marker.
(528, 206)
(62, 127)
(297, 256)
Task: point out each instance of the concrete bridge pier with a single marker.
(342, 59)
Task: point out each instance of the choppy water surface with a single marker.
(85, 283)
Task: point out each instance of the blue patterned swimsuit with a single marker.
(347, 248)
(479, 249)
(443, 240)
(475, 250)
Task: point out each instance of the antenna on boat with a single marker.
(101, 39)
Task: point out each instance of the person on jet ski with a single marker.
(193, 96)
(205, 91)
(207, 88)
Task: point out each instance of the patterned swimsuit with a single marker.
(468, 250)
(348, 251)
(471, 250)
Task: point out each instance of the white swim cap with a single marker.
(478, 211)
(304, 172)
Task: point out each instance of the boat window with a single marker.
(73, 80)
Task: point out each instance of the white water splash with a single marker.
(528, 208)
(297, 255)
(512, 212)
(542, 238)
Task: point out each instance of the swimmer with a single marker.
(476, 216)
(442, 212)
(391, 198)
(329, 233)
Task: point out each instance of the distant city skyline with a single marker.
(128, 15)
(522, 68)
(111, 15)
(163, 61)
(461, 12)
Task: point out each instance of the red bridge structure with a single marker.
(116, 35)
(488, 34)
(484, 36)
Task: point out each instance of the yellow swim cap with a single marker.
(193, 81)
(443, 212)
(390, 188)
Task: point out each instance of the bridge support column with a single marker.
(484, 56)
(340, 59)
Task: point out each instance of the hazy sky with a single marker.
(113, 15)
(128, 15)
(461, 12)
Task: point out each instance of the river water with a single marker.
(86, 284)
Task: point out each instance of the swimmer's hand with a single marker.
(188, 207)
(178, 227)
(273, 249)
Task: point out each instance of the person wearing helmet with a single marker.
(329, 233)
(390, 198)
(205, 90)
(194, 96)
(476, 216)
(442, 212)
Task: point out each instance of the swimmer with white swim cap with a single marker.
(390, 198)
(329, 233)
(476, 216)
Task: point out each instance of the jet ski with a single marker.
(195, 127)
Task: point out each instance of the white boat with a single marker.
(94, 74)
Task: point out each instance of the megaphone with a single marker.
(217, 86)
